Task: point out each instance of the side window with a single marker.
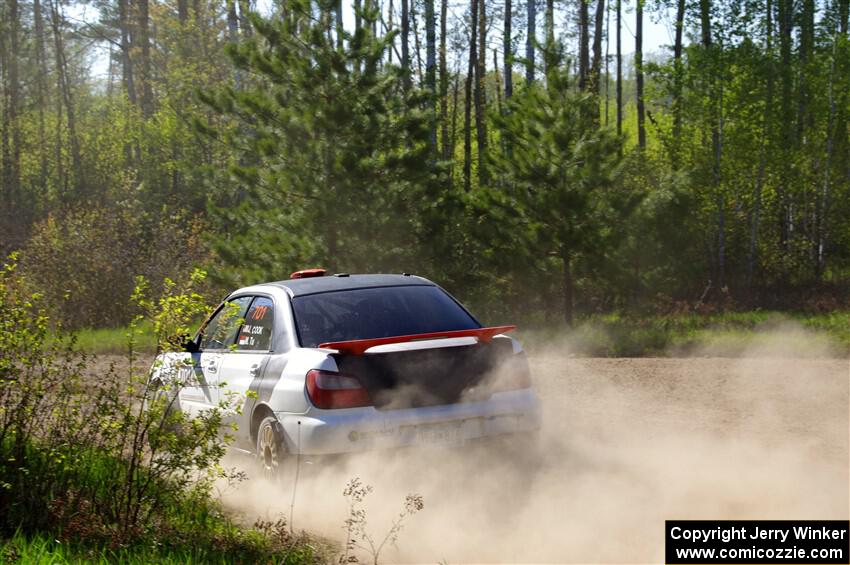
(220, 331)
(256, 333)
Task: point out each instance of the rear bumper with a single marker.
(327, 432)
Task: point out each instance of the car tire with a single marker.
(271, 449)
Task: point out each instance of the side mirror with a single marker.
(191, 345)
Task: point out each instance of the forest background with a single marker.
(529, 156)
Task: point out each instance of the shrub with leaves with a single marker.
(102, 458)
(84, 261)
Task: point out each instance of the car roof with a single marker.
(333, 283)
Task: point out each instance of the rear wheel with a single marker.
(271, 451)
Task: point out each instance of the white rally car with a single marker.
(337, 364)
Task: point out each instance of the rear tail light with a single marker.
(513, 375)
(329, 390)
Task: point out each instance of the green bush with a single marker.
(83, 262)
(106, 462)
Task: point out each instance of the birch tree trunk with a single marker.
(716, 117)
(823, 203)
(766, 129)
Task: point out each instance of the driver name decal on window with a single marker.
(255, 334)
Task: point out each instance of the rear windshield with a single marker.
(369, 313)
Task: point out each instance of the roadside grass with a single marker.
(114, 340)
(620, 335)
(103, 470)
(42, 549)
(76, 526)
(722, 334)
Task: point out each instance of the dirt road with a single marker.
(626, 444)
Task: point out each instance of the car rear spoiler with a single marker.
(359, 346)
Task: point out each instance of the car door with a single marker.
(217, 339)
(242, 366)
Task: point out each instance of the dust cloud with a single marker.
(624, 445)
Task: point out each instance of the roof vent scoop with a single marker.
(308, 273)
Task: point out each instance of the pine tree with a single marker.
(555, 190)
(331, 152)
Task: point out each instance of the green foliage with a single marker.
(108, 461)
(84, 262)
(708, 333)
(98, 341)
(330, 153)
(310, 151)
(175, 313)
(556, 193)
(227, 544)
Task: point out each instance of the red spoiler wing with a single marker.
(359, 346)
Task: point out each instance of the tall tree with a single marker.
(358, 11)
(713, 58)
(785, 13)
(678, 78)
(65, 98)
(481, 93)
(444, 82)
(467, 107)
(530, 39)
(244, 22)
(641, 109)
(145, 57)
(507, 50)
(557, 179)
(405, 41)
(431, 69)
(766, 134)
(417, 48)
(127, 72)
(807, 40)
(598, 31)
(619, 68)
(41, 92)
(583, 45)
(301, 168)
(550, 29)
(388, 27)
(11, 116)
(340, 30)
